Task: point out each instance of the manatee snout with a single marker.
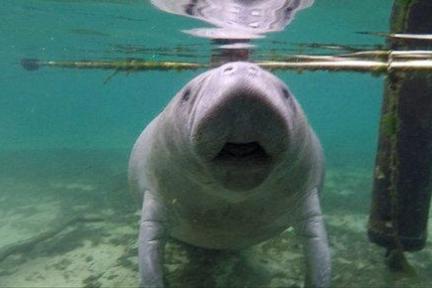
(242, 128)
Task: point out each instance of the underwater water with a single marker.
(66, 135)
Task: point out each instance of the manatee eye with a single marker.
(186, 94)
(286, 94)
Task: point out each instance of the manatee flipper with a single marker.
(152, 238)
(310, 227)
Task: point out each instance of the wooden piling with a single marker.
(403, 171)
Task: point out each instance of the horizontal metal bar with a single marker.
(380, 62)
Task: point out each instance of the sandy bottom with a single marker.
(104, 253)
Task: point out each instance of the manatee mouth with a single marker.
(250, 151)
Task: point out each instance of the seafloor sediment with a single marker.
(35, 197)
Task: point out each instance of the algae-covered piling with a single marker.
(402, 182)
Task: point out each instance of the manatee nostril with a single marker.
(253, 70)
(228, 69)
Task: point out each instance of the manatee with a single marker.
(241, 16)
(230, 162)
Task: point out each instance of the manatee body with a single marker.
(230, 162)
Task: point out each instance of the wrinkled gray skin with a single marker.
(229, 163)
